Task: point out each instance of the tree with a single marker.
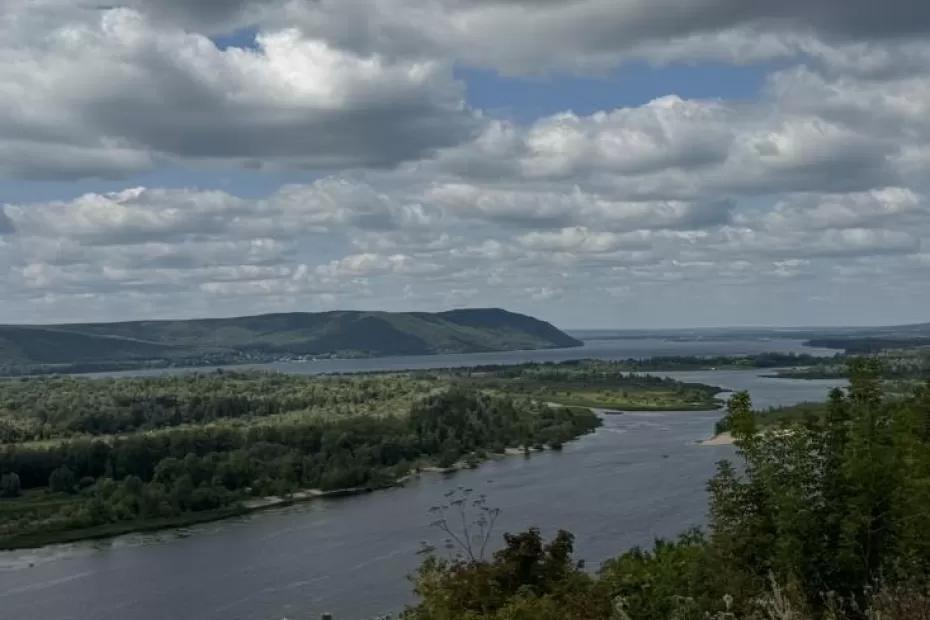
(10, 485)
(528, 579)
(62, 480)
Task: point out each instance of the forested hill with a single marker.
(139, 344)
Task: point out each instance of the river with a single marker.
(640, 476)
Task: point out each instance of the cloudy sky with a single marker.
(597, 163)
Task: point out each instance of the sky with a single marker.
(595, 163)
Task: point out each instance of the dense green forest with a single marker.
(95, 347)
(593, 383)
(87, 457)
(45, 408)
(825, 518)
(88, 486)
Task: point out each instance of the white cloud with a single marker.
(673, 206)
(575, 239)
(104, 92)
(843, 210)
(665, 133)
(590, 35)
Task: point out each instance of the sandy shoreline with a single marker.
(720, 439)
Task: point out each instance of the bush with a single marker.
(9, 485)
(62, 480)
(824, 519)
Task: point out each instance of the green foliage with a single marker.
(593, 383)
(823, 518)
(50, 407)
(10, 485)
(193, 468)
(62, 480)
(661, 583)
(828, 505)
(38, 409)
(801, 413)
(201, 443)
(526, 580)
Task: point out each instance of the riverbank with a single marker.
(720, 439)
(34, 540)
(666, 409)
(137, 526)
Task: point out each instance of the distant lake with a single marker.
(640, 476)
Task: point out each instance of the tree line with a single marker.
(41, 408)
(189, 469)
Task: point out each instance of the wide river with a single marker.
(640, 476)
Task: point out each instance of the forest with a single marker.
(86, 457)
(821, 517)
(88, 486)
(46, 408)
(591, 383)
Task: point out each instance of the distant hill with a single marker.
(86, 347)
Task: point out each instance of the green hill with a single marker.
(82, 347)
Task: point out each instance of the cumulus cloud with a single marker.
(666, 133)
(696, 150)
(891, 204)
(104, 92)
(671, 206)
(141, 215)
(108, 91)
(517, 36)
(316, 245)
